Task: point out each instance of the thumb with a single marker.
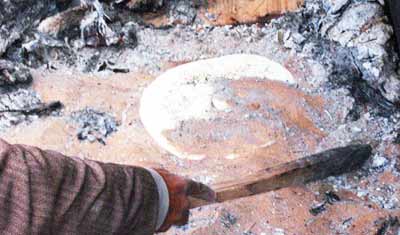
(200, 191)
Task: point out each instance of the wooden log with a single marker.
(247, 11)
(314, 167)
(228, 12)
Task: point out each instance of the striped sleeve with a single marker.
(45, 192)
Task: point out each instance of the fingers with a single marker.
(184, 216)
(200, 191)
(180, 192)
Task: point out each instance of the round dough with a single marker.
(231, 106)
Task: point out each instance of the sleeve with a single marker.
(45, 192)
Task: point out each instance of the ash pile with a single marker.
(354, 39)
(348, 46)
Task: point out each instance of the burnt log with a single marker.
(17, 16)
(394, 9)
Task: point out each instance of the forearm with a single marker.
(44, 192)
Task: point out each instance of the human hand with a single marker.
(180, 189)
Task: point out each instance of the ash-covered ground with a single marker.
(341, 50)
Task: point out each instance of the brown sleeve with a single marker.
(44, 192)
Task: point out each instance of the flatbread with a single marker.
(231, 107)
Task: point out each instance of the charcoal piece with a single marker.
(331, 197)
(40, 109)
(394, 8)
(93, 125)
(388, 226)
(317, 209)
(227, 219)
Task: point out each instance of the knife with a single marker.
(297, 172)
